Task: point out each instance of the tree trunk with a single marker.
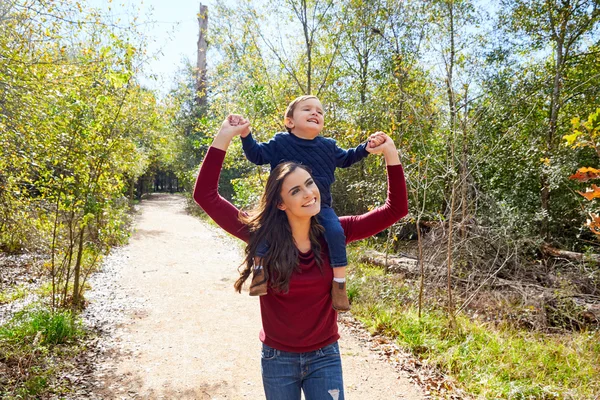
(569, 255)
(131, 190)
(201, 62)
(452, 106)
(464, 184)
(552, 124)
(308, 41)
(77, 271)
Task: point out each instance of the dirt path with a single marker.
(185, 334)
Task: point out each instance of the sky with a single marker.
(171, 28)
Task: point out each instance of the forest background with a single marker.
(494, 106)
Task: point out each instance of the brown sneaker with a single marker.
(339, 297)
(258, 287)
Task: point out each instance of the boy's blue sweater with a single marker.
(321, 154)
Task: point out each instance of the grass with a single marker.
(33, 346)
(13, 294)
(53, 327)
(486, 360)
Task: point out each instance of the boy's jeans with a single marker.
(317, 373)
(334, 235)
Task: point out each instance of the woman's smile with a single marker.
(311, 203)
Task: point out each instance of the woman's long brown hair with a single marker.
(269, 225)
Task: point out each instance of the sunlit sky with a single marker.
(171, 29)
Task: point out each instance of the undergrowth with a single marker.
(489, 360)
(33, 347)
(13, 293)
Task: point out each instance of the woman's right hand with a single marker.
(231, 127)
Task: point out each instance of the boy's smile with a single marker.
(307, 119)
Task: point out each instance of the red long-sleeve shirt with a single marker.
(302, 319)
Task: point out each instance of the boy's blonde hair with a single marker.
(289, 112)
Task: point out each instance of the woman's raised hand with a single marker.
(374, 141)
(235, 125)
(231, 127)
(380, 143)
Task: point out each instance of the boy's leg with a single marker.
(336, 241)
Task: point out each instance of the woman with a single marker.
(299, 335)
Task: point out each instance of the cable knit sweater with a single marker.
(302, 319)
(321, 154)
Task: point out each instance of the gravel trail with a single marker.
(179, 331)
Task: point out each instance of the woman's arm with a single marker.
(206, 191)
(396, 205)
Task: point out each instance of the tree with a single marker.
(561, 28)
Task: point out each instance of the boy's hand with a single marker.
(234, 125)
(374, 141)
(383, 144)
(238, 120)
(234, 119)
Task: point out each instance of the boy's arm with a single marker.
(258, 153)
(345, 158)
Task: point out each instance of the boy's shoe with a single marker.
(258, 287)
(339, 297)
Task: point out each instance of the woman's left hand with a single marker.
(234, 125)
(387, 148)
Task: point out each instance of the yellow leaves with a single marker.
(571, 138)
(129, 51)
(585, 133)
(545, 161)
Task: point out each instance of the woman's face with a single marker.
(300, 195)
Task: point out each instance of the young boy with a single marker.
(302, 143)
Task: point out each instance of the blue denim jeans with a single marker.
(334, 235)
(317, 373)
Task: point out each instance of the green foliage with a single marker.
(586, 134)
(76, 131)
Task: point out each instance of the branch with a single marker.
(569, 255)
(290, 71)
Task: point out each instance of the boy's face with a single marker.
(307, 119)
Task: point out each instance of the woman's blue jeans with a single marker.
(317, 373)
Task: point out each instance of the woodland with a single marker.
(494, 107)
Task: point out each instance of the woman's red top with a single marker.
(302, 319)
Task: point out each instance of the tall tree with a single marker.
(562, 28)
